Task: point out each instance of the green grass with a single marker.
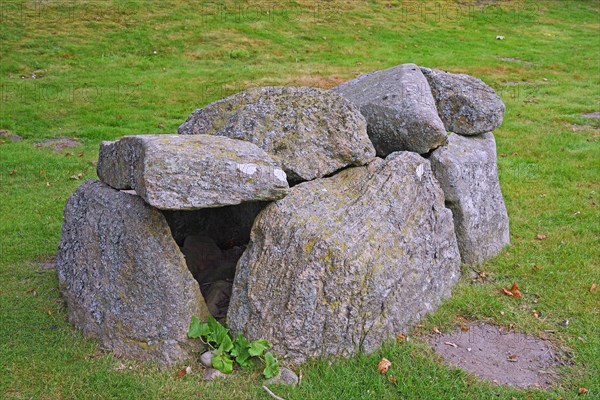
(99, 79)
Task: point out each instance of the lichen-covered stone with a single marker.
(466, 104)
(344, 263)
(310, 132)
(467, 172)
(175, 172)
(399, 109)
(123, 278)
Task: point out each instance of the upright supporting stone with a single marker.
(123, 277)
(344, 263)
(467, 172)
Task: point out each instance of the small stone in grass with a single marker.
(211, 374)
(206, 359)
(285, 377)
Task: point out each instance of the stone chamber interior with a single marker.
(212, 241)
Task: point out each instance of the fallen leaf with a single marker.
(14, 171)
(401, 338)
(512, 358)
(93, 163)
(436, 330)
(42, 172)
(2, 142)
(593, 287)
(507, 292)
(383, 366)
(451, 344)
(68, 154)
(536, 313)
(49, 312)
(583, 390)
(543, 195)
(392, 379)
(540, 236)
(180, 374)
(515, 290)
(464, 328)
(48, 184)
(80, 154)
(515, 153)
(503, 155)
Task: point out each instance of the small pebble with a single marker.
(206, 359)
(286, 377)
(212, 374)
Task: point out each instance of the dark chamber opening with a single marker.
(212, 241)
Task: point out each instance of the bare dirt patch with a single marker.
(594, 115)
(59, 143)
(500, 356)
(5, 133)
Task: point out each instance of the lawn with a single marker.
(98, 70)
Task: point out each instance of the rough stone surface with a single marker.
(285, 377)
(177, 172)
(466, 104)
(399, 109)
(122, 275)
(344, 263)
(467, 172)
(311, 132)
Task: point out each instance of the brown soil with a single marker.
(500, 356)
(593, 115)
(59, 143)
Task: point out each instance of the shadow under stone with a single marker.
(212, 241)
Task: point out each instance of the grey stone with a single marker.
(466, 104)
(311, 132)
(467, 172)
(123, 278)
(206, 359)
(285, 377)
(175, 172)
(344, 263)
(399, 109)
(211, 374)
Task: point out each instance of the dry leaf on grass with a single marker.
(401, 338)
(392, 380)
(513, 292)
(512, 358)
(540, 236)
(383, 366)
(594, 286)
(583, 390)
(14, 171)
(180, 374)
(536, 313)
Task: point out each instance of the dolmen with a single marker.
(325, 221)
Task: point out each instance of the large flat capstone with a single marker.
(175, 172)
(123, 277)
(310, 132)
(344, 263)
